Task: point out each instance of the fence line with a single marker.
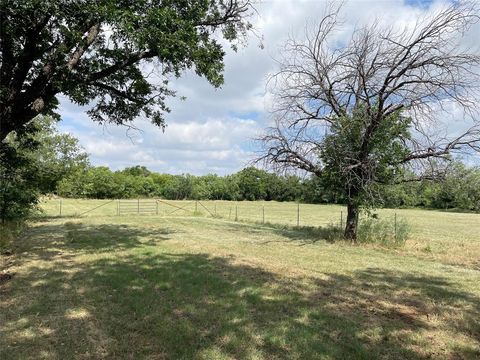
(78, 207)
(292, 214)
(206, 209)
(137, 206)
(175, 206)
(86, 212)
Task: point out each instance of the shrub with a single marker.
(9, 231)
(383, 232)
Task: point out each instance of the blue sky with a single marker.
(212, 130)
(419, 3)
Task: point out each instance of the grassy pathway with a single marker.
(199, 288)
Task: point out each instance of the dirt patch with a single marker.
(5, 276)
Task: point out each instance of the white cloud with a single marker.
(198, 147)
(210, 130)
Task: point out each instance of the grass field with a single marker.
(196, 287)
(452, 238)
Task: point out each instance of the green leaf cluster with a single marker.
(34, 163)
(116, 55)
(356, 154)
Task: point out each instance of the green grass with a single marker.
(451, 238)
(173, 287)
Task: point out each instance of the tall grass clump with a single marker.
(388, 232)
(9, 231)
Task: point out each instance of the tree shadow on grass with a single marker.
(302, 234)
(142, 303)
(49, 240)
(108, 237)
(147, 304)
(310, 234)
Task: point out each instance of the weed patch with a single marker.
(385, 232)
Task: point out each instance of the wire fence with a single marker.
(288, 213)
(264, 212)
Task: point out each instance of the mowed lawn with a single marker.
(185, 287)
(448, 237)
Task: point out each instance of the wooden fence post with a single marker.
(395, 226)
(298, 214)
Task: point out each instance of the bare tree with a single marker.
(363, 113)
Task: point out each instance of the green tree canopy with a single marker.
(34, 164)
(117, 55)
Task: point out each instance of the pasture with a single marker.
(189, 285)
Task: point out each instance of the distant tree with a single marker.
(216, 187)
(251, 184)
(19, 192)
(35, 163)
(57, 154)
(116, 55)
(160, 182)
(179, 188)
(145, 186)
(79, 184)
(403, 195)
(137, 170)
(362, 114)
(275, 187)
(460, 189)
(201, 188)
(101, 183)
(231, 188)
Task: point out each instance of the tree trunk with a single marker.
(5, 129)
(352, 222)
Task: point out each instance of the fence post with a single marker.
(298, 214)
(395, 226)
(236, 212)
(156, 207)
(138, 206)
(263, 214)
(196, 206)
(215, 209)
(60, 207)
(230, 213)
(118, 207)
(341, 219)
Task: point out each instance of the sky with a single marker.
(212, 130)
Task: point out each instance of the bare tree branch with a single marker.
(382, 79)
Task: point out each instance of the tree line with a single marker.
(459, 190)
(49, 162)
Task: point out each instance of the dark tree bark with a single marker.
(352, 222)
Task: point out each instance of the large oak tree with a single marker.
(117, 55)
(372, 110)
